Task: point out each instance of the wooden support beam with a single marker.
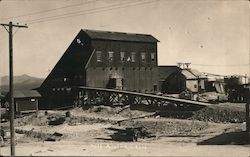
(248, 121)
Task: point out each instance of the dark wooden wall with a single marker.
(26, 105)
(70, 70)
(128, 48)
(174, 84)
(135, 79)
(139, 76)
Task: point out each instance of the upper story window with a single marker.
(133, 57)
(98, 56)
(143, 56)
(79, 41)
(110, 56)
(122, 56)
(152, 56)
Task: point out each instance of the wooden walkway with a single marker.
(150, 98)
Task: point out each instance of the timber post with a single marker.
(248, 122)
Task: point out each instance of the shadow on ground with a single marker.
(233, 138)
(105, 139)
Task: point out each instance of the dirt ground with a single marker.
(86, 132)
(163, 148)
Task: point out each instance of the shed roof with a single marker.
(188, 74)
(166, 71)
(25, 94)
(195, 72)
(119, 36)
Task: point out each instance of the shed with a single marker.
(164, 72)
(25, 100)
(215, 83)
(184, 79)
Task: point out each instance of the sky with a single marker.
(212, 35)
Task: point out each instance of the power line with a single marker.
(34, 0)
(46, 11)
(93, 12)
(16, 31)
(76, 13)
(220, 65)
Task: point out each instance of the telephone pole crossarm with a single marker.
(20, 26)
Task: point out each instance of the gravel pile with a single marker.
(219, 115)
(169, 127)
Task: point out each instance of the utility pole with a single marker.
(248, 100)
(11, 99)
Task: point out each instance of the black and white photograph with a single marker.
(125, 78)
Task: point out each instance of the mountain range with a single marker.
(22, 82)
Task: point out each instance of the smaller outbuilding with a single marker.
(237, 88)
(214, 83)
(25, 101)
(184, 80)
(164, 72)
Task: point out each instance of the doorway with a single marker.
(115, 83)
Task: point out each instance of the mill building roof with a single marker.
(120, 36)
(25, 94)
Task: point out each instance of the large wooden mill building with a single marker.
(103, 59)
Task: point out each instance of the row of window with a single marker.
(68, 89)
(131, 58)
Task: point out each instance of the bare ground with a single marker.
(85, 133)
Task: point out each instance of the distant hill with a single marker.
(22, 82)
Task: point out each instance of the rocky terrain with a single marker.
(218, 124)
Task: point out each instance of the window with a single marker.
(152, 56)
(79, 41)
(68, 89)
(122, 56)
(98, 56)
(143, 56)
(111, 56)
(133, 57)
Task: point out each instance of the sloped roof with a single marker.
(214, 77)
(188, 74)
(25, 94)
(166, 71)
(119, 36)
(195, 72)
